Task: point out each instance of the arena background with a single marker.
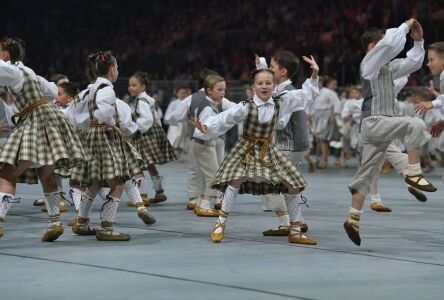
(173, 40)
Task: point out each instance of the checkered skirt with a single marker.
(152, 145)
(113, 158)
(259, 178)
(44, 137)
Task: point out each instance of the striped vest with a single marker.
(294, 137)
(379, 94)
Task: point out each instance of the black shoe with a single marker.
(417, 194)
(352, 233)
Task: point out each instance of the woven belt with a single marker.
(27, 110)
(252, 141)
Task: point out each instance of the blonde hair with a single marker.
(438, 47)
(211, 80)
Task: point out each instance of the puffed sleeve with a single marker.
(105, 100)
(296, 100)
(145, 119)
(11, 76)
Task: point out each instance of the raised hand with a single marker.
(416, 31)
(422, 107)
(196, 123)
(409, 23)
(431, 89)
(437, 128)
(313, 65)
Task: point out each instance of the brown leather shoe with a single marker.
(53, 233)
(299, 238)
(217, 237)
(145, 216)
(379, 207)
(202, 212)
(1, 232)
(417, 194)
(82, 227)
(352, 232)
(419, 182)
(111, 235)
(160, 197)
(145, 199)
(72, 221)
(191, 205)
(281, 231)
(218, 205)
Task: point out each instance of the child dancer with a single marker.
(254, 165)
(204, 151)
(151, 141)
(292, 140)
(380, 126)
(115, 160)
(178, 134)
(29, 152)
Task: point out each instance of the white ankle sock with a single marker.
(58, 180)
(375, 198)
(413, 170)
(284, 220)
(205, 204)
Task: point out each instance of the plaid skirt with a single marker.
(113, 158)
(259, 179)
(65, 172)
(45, 138)
(153, 146)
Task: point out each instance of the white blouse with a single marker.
(439, 101)
(145, 120)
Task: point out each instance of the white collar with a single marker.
(260, 102)
(100, 80)
(142, 95)
(280, 86)
(211, 100)
(441, 76)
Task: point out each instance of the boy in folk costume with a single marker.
(254, 165)
(380, 125)
(28, 154)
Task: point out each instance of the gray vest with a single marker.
(294, 137)
(198, 103)
(379, 94)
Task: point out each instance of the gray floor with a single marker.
(401, 257)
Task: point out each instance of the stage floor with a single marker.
(401, 257)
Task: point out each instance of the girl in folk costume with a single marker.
(114, 160)
(42, 141)
(150, 140)
(254, 165)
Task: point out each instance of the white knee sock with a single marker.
(6, 201)
(109, 209)
(294, 203)
(157, 182)
(76, 195)
(52, 201)
(205, 204)
(85, 206)
(228, 202)
(131, 188)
